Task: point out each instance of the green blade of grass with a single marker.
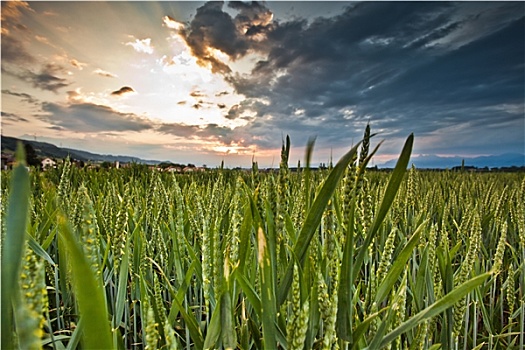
(249, 290)
(174, 310)
(191, 324)
(349, 269)
(37, 248)
(269, 309)
(13, 244)
(214, 329)
(121, 291)
(313, 218)
(390, 193)
(363, 327)
(76, 335)
(438, 307)
(399, 266)
(308, 159)
(89, 292)
(229, 337)
(398, 298)
(245, 231)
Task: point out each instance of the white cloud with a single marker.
(143, 45)
(104, 73)
(172, 24)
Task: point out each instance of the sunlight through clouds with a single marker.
(141, 45)
(228, 79)
(172, 24)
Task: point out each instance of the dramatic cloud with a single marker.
(388, 63)
(122, 91)
(172, 24)
(143, 45)
(234, 112)
(213, 32)
(254, 19)
(88, 117)
(233, 77)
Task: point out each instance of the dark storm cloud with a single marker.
(214, 28)
(405, 67)
(254, 20)
(88, 117)
(234, 112)
(123, 90)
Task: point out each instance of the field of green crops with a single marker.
(342, 258)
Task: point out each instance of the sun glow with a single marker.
(177, 88)
(234, 148)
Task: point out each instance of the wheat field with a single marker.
(340, 258)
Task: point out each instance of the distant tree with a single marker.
(105, 165)
(31, 157)
(138, 168)
(165, 165)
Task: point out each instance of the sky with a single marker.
(205, 82)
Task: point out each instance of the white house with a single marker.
(48, 163)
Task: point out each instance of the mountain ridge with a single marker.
(433, 161)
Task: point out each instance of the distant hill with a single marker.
(44, 149)
(437, 162)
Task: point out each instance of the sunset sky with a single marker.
(202, 82)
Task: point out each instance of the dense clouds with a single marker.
(404, 67)
(237, 76)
